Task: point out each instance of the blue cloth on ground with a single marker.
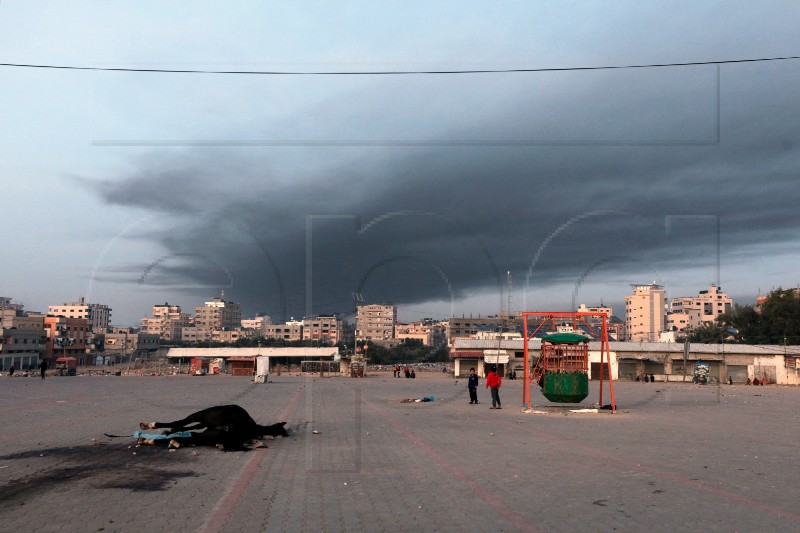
(156, 436)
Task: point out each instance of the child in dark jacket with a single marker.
(472, 385)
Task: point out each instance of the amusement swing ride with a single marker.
(562, 369)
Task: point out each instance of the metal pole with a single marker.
(526, 387)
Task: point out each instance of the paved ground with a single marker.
(674, 458)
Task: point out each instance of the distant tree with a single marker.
(708, 333)
(778, 321)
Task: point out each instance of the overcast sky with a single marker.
(292, 192)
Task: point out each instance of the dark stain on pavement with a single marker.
(95, 467)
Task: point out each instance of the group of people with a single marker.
(648, 378)
(409, 372)
(493, 382)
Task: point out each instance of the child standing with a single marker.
(472, 385)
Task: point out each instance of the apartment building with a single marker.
(290, 331)
(66, 337)
(194, 334)
(323, 328)
(467, 327)
(256, 324)
(98, 316)
(167, 322)
(646, 313)
(615, 326)
(375, 322)
(427, 331)
(705, 307)
(22, 342)
(218, 314)
(126, 344)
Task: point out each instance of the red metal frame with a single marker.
(576, 318)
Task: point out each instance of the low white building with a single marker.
(665, 361)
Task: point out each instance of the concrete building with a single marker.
(194, 334)
(167, 322)
(289, 331)
(615, 326)
(66, 337)
(466, 327)
(646, 313)
(22, 342)
(127, 344)
(218, 314)
(323, 328)
(256, 324)
(695, 310)
(375, 322)
(98, 316)
(777, 364)
(227, 336)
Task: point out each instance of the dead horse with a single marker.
(229, 427)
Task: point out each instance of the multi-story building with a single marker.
(615, 326)
(466, 327)
(194, 334)
(255, 326)
(705, 307)
(126, 344)
(227, 336)
(66, 337)
(427, 331)
(98, 316)
(646, 312)
(290, 331)
(375, 322)
(22, 342)
(218, 314)
(167, 322)
(6, 304)
(324, 328)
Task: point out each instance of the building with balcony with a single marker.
(167, 322)
(98, 316)
(66, 337)
(324, 329)
(646, 313)
(218, 314)
(376, 322)
(695, 310)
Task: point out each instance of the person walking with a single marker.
(493, 382)
(472, 385)
(43, 367)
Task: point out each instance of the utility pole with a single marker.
(356, 299)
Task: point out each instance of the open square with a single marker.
(675, 457)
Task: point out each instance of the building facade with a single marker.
(289, 331)
(218, 314)
(646, 313)
(167, 322)
(324, 328)
(98, 316)
(66, 337)
(376, 322)
(693, 311)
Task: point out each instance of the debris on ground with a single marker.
(418, 400)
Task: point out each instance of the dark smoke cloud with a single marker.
(612, 183)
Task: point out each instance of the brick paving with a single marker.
(675, 457)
